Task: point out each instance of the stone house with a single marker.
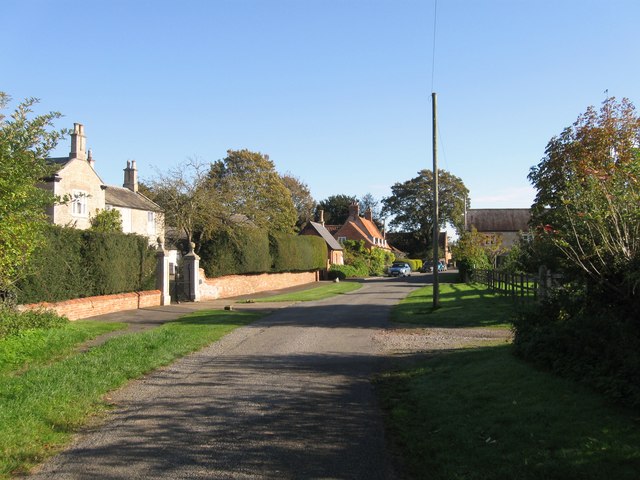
(360, 228)
(507, 224)
(76, 179)
(335, 250)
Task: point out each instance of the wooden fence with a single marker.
(520, 286)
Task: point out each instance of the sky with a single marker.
(336, 92)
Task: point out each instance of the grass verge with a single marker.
(461, 305)
(41, 408)
(38, 346)
(483, 414)
(317, 293)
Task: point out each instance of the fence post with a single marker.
(162, 274)
(191, 274)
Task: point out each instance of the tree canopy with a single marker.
(247, 184)
(588, 200)
(336, 208)
(303, 202)
(25, 142)
(411, 203)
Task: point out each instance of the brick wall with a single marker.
(235, 285)
(91, 306)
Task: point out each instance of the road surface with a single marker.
(288, 397)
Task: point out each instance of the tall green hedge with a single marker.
(249, 250)
(242, 250)
(81, 263)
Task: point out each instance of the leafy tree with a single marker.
(470, 253)
(25, 142)
(303, 202)
(107, 221)
(247, 184)
(336, 208)
(588, 201)
(411, 203)
(189, 204)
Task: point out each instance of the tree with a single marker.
(189, 205)
(588, 200)
(25, 142)
(411, 203)
(336, 208)
(470, 253)
(107, 221)
(247, 184)
(303, 202)
(369, 202)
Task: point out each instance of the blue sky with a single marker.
(337, 92)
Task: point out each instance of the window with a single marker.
(79, 203)
(151, 223)
(342, 239)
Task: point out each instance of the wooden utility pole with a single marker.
(436, 226)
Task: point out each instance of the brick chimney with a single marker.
(78, 142)
(90, 159)
(368, 214)
(131, 176)
(354, 210)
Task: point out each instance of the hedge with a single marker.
(82, 263)
(247, 250)
(414, 264)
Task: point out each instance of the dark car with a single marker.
(398, 269)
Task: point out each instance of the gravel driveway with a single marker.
(287, 397)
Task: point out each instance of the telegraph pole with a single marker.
(436, 226)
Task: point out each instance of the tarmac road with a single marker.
(288, 397)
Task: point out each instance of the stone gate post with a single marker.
(191, 275)
(162, 274)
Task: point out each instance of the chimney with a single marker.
(90, 159)
(131, 176)
(78, 142)
(354, 210)
(321, 212)
(368, 214)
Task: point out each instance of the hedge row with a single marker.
(249, 250)
(415, 264)
(83, 263)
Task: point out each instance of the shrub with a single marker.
(414, 264)
(347, 271)
(366, 262)
(75, 263)
(297, 253)
(13, 322)
(237, 251)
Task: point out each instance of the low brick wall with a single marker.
(91, 306)
(236, 285)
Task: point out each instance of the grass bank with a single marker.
(482, 414)
(461, 305)
(41, 406)
(317, 293)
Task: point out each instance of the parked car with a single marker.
(398, 269)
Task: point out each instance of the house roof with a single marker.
(499, 219)
(332, 229)
(326, 236)
(370, 227)
(123, 197)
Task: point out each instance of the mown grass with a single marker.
(38, 346)
(483, 414)
(43, 406)
(461, 305)
(317, 293)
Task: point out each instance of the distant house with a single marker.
(76, 179)
(336, 252)
(360, 228)
(506, 223)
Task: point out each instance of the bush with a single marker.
(297, 253)
(366, 262)
(414, 264)
(347, 271)
(79, 263)
(13, 322)
(593, 343)
(238, 251)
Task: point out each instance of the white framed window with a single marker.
(342, 239)
(151, 223)
(79, 203)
